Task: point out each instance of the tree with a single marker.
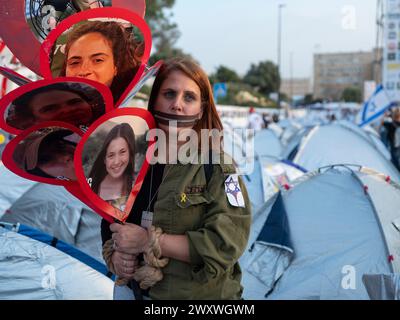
(264, 77)
(351, 94)
(224, 74)
(165, 33)
(308, 99)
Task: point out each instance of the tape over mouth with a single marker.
(180, 120)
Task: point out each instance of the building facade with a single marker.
(296, 87)
(334, 72)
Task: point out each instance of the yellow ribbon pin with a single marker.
(183, 197)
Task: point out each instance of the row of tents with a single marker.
(326, 223)
(326, 218)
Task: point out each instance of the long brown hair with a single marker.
(210, 118)
(127, 50)
(98, 172)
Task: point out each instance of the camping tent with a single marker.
(268, 176)
(377, 141)
(339, 144)
(318, 239)
(369, 133)
(36, 266)
(291, 128)
(267, 143)
(53, 210)
(292, 144)
(12, 187)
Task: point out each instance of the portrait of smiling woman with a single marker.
(112, 173)
(103, 51)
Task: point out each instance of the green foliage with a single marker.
(237, 93)
(167, 53)
(253, 89)
(146, 90)
(165, 33)
(264, 77)
(224, 74)
(351, 94)
(308, 99)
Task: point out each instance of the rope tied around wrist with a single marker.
(149, 273)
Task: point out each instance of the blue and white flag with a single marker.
(375, 107)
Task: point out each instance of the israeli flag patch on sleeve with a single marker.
(233, 191)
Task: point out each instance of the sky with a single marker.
(237, 33)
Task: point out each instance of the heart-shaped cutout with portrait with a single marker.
(111, 161)
(110, 46)
(76, 101)
(26, 23)
(44, 153)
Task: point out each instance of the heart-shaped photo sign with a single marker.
(110, 46)
(44, 153)
(76, 101)
(26, 23)
(111, 160)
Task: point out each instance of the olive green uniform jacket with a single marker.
(217, 231)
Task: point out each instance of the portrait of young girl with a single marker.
(112, 173)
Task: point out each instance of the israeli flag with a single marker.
(375, 107)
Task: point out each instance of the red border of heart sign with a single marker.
(109, 12)
(10, 97)
(9, 150)
(106, 210)
(18, 36)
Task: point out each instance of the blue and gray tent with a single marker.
(267, 143)
(339, 143)
(262, 183)
(332, 235)
(12, 188)
(36, 266)
(53, 210)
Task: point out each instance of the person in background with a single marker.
(255, 121)
(391, 131)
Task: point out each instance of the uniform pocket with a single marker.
(184, 200)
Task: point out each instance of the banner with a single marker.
(391, 50)
(375, 107)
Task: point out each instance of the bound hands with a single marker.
(129, 240)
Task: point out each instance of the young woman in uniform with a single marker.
(200, 214)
